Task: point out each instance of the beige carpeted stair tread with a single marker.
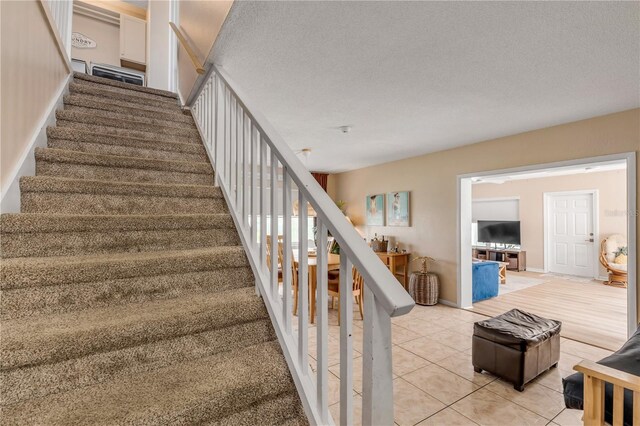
(123, 107)
(56, 195)
(79, 77)
(100, 187)
(94, 142)
(41, 380)
(160, 123)
(46, 235)
(189, 393)
(74, 157)
(53, 271)
(127, 96)
(54, 338)
(126, 133)
(283, 409)
(47, 223)
(114, 91)
(138, 124)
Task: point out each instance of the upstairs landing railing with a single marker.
(258, 174)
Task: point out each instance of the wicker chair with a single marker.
(617, 272)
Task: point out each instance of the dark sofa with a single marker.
(626, 359)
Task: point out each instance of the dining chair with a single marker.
(279, 254)
(358, 288)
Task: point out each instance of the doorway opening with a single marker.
(554, 229)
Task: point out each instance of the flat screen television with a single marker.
(499, 231)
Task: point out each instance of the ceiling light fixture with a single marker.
(345, 129)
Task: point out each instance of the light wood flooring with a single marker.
(590, 311)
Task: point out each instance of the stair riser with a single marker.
(75, 203)
(159, 122)
(123, 94)
(113, 105)
(126, 151)
(37, 244)
(86, 171)
(39, 381)
(117, 132)
(24, 302)
(125, 124)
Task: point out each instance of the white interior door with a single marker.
(570, 234)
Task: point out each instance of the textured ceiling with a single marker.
(418, 77)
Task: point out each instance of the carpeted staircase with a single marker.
(127, 297)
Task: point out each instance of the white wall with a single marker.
(106, 36)
(158, 45)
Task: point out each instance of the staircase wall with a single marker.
(34, 77)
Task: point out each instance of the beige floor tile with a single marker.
(411, 405)
(454, 339)
(357, 373)
(551, 379)
(488, 408)
(421, 326)
(440, 383)
(465, 329)
(582, 350)
(461, 365)
(429, 349)
(333, 354)
(535, 397)
(448, 417)
(357, 411)
(405, 362)
(569, 418)
(400, 334)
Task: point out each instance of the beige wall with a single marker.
(106, 36)
(433, 184)
(201, 22)
(32, 73)
(612, 197)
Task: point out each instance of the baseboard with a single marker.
(10, 201)
(448, 303)
(537, 270)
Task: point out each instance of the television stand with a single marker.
(516, 259)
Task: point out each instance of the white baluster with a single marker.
(238, 165)
(303, 286)
(217, 127)
(377, 387)
(322, 323)
(287, 279)
(232, 150)
(274, 225)
(346, 340)
(246, 182)
(254, 186)
(263, 201)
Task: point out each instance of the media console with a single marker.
(516, 259)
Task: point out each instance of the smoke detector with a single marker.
(345, 129)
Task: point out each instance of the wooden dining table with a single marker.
(333, 263)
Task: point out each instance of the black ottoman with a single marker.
(516, 346)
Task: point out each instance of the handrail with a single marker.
(185, 44)
(379, 279)
(244, 150)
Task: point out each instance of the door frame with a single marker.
(463, 232)
(595, 214)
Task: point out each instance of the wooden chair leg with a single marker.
(359, 300)
(295, 300)
(338, 310)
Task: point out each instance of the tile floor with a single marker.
(434, 381)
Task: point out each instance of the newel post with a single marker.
(377, 403)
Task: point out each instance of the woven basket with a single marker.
(379, 246)
(423, 287)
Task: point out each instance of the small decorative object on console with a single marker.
(423, 285)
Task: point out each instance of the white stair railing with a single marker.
(257, 172)
(62, 14)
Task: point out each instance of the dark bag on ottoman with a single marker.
(516, 346)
